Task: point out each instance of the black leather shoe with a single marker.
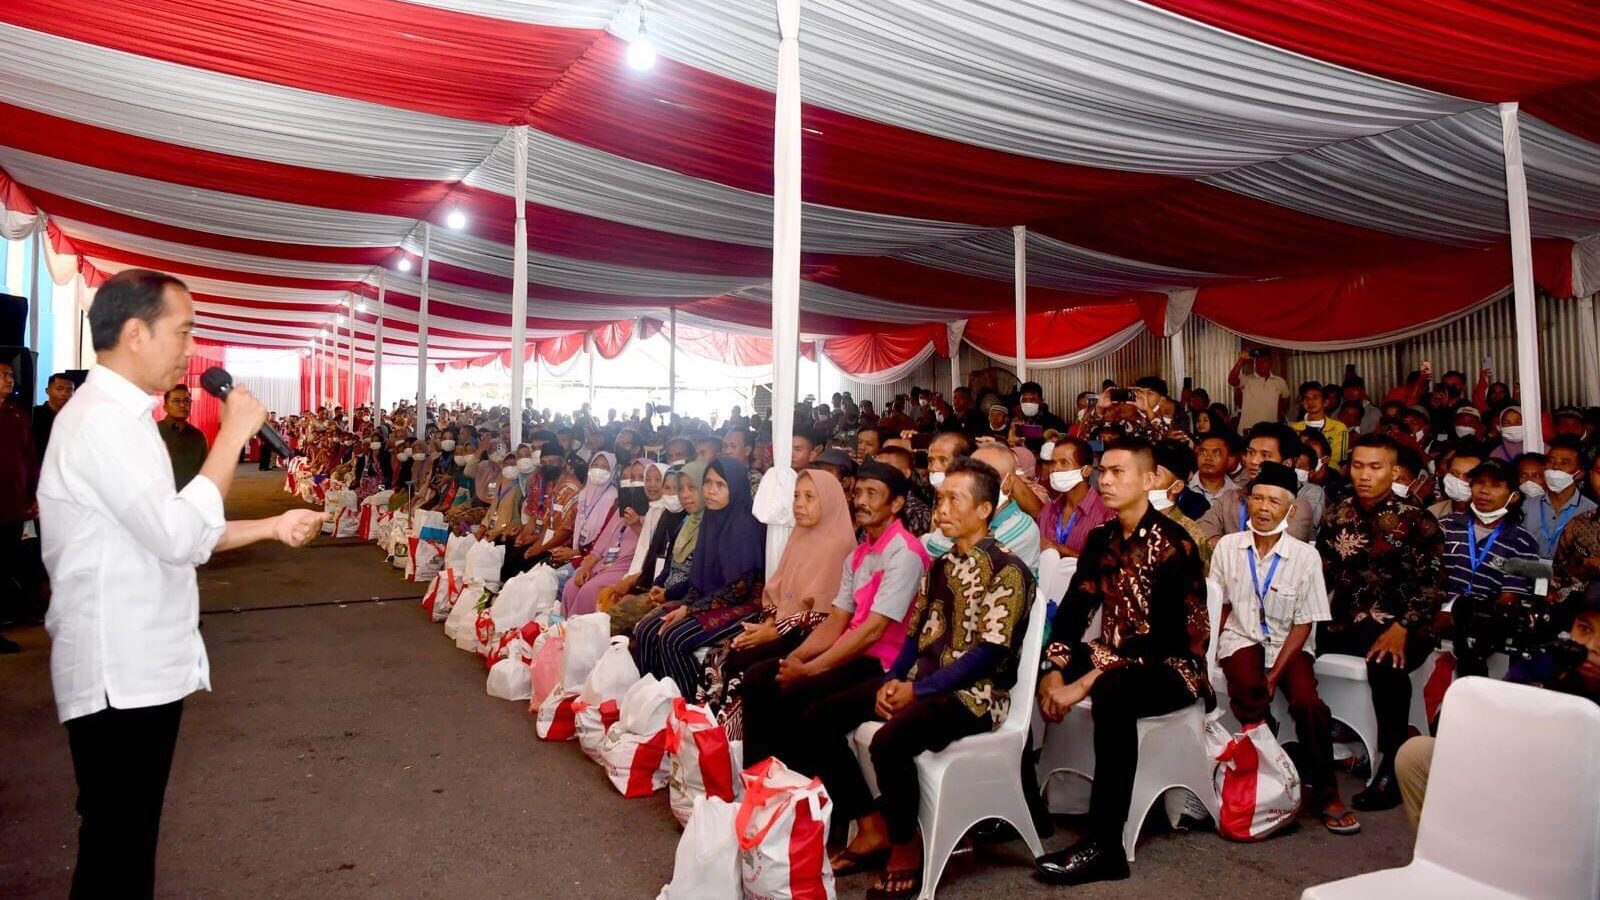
(1083, 862)
(1382, 793)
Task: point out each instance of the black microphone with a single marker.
(219, 384)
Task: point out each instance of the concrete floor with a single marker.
(349, 749)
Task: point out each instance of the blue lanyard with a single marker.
(1561, 521)
(1474, 558)
(1263, 589)
(1063, 533)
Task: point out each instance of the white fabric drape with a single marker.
(1589, 351)
(377, 351)
(1526, 317)
(1586, 266)
(519, 283)
(953, 332)
(786, 225)
(1054, 264)
(272, 375)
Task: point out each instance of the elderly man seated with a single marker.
(1272, 597)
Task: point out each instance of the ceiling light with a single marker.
(362, 306)
(405, 263)
(456, 219)
(338, 319)
(641, 53)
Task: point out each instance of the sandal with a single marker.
(1344, 823)
(849, 862)
(897, 884)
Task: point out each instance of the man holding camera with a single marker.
(1264, 397)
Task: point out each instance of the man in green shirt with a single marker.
(186, 444)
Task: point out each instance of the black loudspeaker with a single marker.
(76, 376)
(13, 320)
(23, 365)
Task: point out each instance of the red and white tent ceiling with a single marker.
(1314, 171)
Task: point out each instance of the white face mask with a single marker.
(659, 503)
(672, 503)
(1160, 499)
(460, 460)
(1557, 480)
(1465, 431)
(936, 478)
(1280, 528)
(1066, 481)
(497, 456)
(1513, 433)
(525, 464)
(1489, 518)
(1457, 489)
(508, 472)
(1316, 423)
(1421, 436)
(1302, 476)
(1004, 499)
(1400, 490)
(405, 455)
(1532, 489)
(1030, 408)
(598, 477)
(447, 445)
(376, 445)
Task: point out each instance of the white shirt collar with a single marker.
(121, 390)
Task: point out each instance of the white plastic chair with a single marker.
(1172, 752)
(1494, 826)
(975, 778)
(1342, 685)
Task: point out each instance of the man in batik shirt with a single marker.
(1142, 570)
(1382, 559)
(548, 515)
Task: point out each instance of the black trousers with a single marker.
(1120, 698)
(929, 723)
(1390, 686)
(14, 579)
(772, 711)
(121, 758)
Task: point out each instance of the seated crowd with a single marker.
(886, 568)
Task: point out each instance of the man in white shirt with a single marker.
(1264, 397)
(1273, 593)
(774, 497)
(121, 544)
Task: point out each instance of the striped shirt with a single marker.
(1011, 527)
(1490, 579)
(1294, 595)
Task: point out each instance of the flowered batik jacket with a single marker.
(1385, 563)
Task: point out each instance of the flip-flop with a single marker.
(1331, 822)
(912, 877)
(847, 862)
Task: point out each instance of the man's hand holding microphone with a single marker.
(243, 417)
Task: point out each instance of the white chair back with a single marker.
(1214, 617)
(1020, 716)
(1514, 791)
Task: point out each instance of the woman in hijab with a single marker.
(1509, 426)
(797, 598)
(597, 502)
(509, 486)
(612, 554)
(726, 576)
(665, 567)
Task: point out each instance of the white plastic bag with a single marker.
(702, 758)
(612, 675)
(427, 558)
(464, 613)
(441, 594)
(591, 723)
(339, 504)
(1258, 787)
(554, 720)
(782, 827)
(707, 864)
(635, 764)
(587, 639)
(645, 706)
(483, 562)
(456, 550)
(522, 597)
(510, 678)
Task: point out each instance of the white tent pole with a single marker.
(519, 280)
(350, 368)
(1589, 351)
(538, 362)
(1019, 240)
(786, 207)
(316, 372)
(377, 355)
(1527, 320)
(78, 287)
(672, 360)
(422, 335)
(816, 351)
(33, 287)
(589, 342)
(1179, 364)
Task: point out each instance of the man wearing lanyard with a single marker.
(121, 544)
(1266, 442)
(1076, 507)
(1477, 543)
(1549, 515)
(1272, 596)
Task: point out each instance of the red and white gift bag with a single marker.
(442, 593)
(592, 722)
(782, 827)
(1258, 787)
(555, 718)
(636, 765)
(702, 762)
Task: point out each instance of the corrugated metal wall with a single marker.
(1211, 350)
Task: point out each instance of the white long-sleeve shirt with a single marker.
(121, 544)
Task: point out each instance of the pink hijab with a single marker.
(812, 564)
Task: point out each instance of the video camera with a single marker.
(1529, 628)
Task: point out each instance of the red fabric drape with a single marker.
(861, 354)
(1377, 301)
(612, 338)
(1052, 334)
(205, 411)
(558, 350)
